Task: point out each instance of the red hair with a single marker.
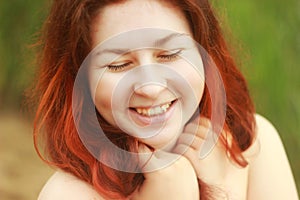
(66, 42)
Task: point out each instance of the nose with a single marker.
(150, 89)
(150, 82)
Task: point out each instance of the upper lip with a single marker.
(152, 105)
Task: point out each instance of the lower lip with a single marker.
(157, 119)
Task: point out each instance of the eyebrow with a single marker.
(114, 51)
(166, 39)
(157, 43)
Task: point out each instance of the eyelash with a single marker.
(169, 57)
(118, 67)
(165, 58)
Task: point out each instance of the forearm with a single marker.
(220, 192)
(175, 181)
(210, 192)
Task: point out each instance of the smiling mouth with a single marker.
(154, 111)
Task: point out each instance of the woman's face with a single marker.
(146, 75)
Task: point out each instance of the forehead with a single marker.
(136, 14)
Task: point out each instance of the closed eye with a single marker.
(170, 55)
(118, 67)
(166, 56)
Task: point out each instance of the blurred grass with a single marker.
(19, 20)
(268, 48)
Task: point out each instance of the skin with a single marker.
(162, 135)
(266, 177)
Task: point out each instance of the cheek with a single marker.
(103, 96)
(197, 84)
(193, 77)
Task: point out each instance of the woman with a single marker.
(163, 120)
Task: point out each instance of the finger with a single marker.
(205, 121)
(180, 149)
(190, 140)
(187, 152)
(216, 129)
(196, 129)
(201, 120)
(205, 129)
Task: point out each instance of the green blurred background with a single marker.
(264, 34)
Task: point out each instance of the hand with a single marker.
(167, 176)
(215, 168)
(210, 169)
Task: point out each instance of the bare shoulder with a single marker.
(270, 175)
(66, 186)
(265, 130)
(266, 140)
(266, 135)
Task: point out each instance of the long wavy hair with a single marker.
(66, 41)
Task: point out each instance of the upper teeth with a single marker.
(153, 111)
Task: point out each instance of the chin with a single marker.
(164, 140)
